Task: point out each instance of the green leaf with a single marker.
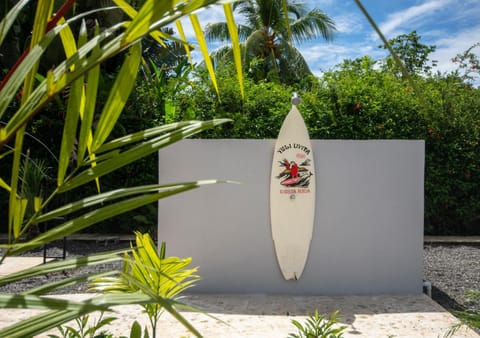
(70, 127)
(137, 152)
(184, 39)
(118, 96)
(132, 13)
(111, 196)
(92, 80)
(232, 29)
(136, 331)
(10, 18)
(42, 15)
(38, 324)
(150, 12)
(143, 135)
(204, 49)
(62, 75)
(68, 41)
(18, 301)
(4, 185)
(14, 206)
(92, 217)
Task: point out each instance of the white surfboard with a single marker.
(292, 195)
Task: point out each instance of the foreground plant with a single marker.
(470, 318)
(84, 328)
(88, 151)
(318, 326)
(146, 270)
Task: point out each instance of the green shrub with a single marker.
(359, 100)
(318, 326)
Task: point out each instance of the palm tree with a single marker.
(269, 29)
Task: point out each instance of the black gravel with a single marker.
(73, 249)
(452, 270)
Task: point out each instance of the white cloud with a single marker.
(452, 44)
(347, 23)
(321, 56)
(411, 16)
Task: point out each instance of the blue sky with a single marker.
(451, 25)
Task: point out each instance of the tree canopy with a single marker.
(268, 33)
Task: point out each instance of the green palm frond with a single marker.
(78, 68)
(147, 271)
(268, 29)
(144, 269)
(312, 24)
(217, 31)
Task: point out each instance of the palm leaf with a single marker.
(150, 273)
(184, 39)
(61, 77)
(118, 96)
(5, 185)
(137, 152)
(74, 106)
(143, 135)
(204, 49)
(110, 196)
(217, 31)
(81, 222)
(72, 309)
(68, 41)
(235, 45)
(16, 206)
(10, 18)
(91, 87)
(151, 12)
(312, 24)
(131, 12)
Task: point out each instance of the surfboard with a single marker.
(292, 195)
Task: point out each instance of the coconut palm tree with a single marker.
(269, 31)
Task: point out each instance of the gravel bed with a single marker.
(452, 270)
(74, 249)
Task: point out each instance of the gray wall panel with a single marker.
(368, 234)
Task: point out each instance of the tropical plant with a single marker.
(148, 271)
(414, 54)
(468, 64)
(268, 34)
(470, 318)
(318, 326)
(88, 151)
(84, 329)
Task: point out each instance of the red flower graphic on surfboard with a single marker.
(293, 174)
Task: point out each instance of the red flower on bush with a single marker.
(358, 106)
(438, 137)
(430, 131)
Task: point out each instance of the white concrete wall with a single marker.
(368, 234)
